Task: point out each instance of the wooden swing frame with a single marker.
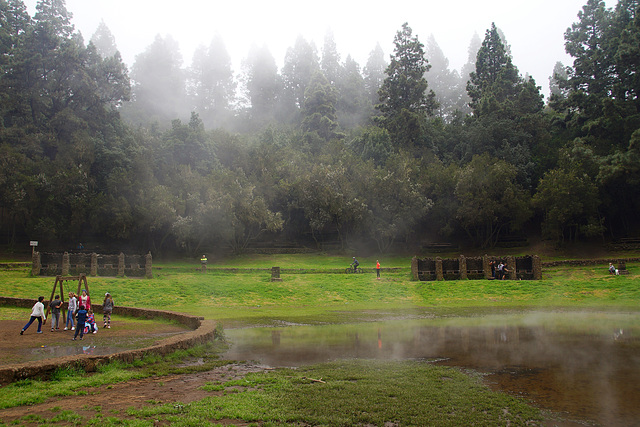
(61, 279)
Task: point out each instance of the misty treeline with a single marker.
(177, 158)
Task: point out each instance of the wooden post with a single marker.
(53, 291)
(81, 279)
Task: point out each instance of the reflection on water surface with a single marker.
(584, 364)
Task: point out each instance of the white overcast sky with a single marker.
(533, 28)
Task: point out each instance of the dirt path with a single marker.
(16, 348)
(115, 399)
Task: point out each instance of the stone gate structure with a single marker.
(520, 268)
(56, 264)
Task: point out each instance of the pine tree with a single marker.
(404, 101)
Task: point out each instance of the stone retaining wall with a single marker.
(586, 262)
(526, 267)
(56, 264)
(203, 331)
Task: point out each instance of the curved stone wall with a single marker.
(203, 331)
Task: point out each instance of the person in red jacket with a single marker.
(85, 300)
(378, 268)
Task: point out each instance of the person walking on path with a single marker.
(81, 317)
(55, 305)
(107, 309)
(85, 300)
(37, 312)
(378, 268)
(71, 312)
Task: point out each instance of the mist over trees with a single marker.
(403, 150)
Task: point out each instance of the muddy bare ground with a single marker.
(123, 335)
(115, 399)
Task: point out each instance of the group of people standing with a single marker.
(499, 271)
(80, 317)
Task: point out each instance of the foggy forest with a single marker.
(322, 152)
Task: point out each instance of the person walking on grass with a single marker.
(37, 312)
(81, 318)
(55, 305)
(71, 312)
(378, 268)
(107, 309)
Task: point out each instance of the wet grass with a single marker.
(70, 381)
(360, 392)
(354, 393)
(249, 297)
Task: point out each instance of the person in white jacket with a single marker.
(37, 312)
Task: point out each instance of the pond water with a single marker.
(583, 365)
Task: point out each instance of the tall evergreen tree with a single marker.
(300, 64)
(558, 81)
(493, 67)
(104, 41)
(591, 77)
(404, 101)
(319, 112)
(262, 84)
(374, 73)
(211, 86)
(353, 107)
(602, 108)
(444, 82)
(159, 93)
(330, 61)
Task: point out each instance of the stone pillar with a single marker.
(414, 268)
(486, 268)
(94, 264)
(35, 264)
(275, 274)
(148, 266)
(439, 273)
(537, 268)
(65, 264)
(121, 265)
(462, 265)
(511, 265)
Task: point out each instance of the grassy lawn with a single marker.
(249, 296)
(358, 392)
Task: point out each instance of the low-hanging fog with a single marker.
(201, 127)
(534, 30)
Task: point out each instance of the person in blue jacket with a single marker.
(81, 319)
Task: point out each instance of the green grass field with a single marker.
(358, 393)
(248, 295)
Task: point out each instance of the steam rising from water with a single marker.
(586, 364)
